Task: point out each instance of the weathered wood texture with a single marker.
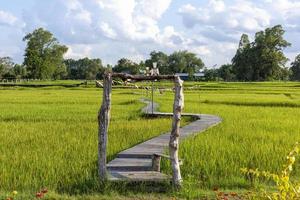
(99, 84)
(156, 162)
(174, 137)
(103, 121)
(125, 77)
(137, 176)
(156, 159)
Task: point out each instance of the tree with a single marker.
(184, 62)
(226, 72)
(60, 72)
(244, 42)
(161, 59)
(241, 65)
(85, 68)
(263, 59)
(10, 70)
(125, 65)
(284, 74)
(241, 61)
(19, 71)
(6, 64)
(43, 55)
(94, 68)
(268, 51)
(211, 74)
(296, 69)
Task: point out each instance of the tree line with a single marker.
(260, 60)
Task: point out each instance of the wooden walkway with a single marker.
(135, 164)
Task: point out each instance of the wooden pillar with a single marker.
(174, 137)
(103, 122)
(156, 162)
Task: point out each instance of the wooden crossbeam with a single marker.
(156, 158)
(125, 77)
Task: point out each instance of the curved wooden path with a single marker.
(135, 163)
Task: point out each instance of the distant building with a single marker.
(185, 76)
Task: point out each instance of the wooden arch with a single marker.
(104, 118)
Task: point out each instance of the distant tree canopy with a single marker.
(85, 68)
(125, 65)
(161, 59)
(9, 70)
(6, 65)
(260, 60)
(177, 62)
(44, 55)
(295, 69)
(226, 73)
(18, 72)
(44, 60)
(184, 62)
(263, 59)
(211, 74)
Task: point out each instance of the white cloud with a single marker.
(91, 20)
(108, 28)
(7, 18)
(222, 22)
(217, 5)
(133, 19)
(78, 51)
(239, 16)
(153, 9)
(286, 12)
(112, 29)
(10, 35)
(201, 50)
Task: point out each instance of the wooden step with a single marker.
(130, 164)
(132, 155)
(137, 176)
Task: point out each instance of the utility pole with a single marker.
(154, 72)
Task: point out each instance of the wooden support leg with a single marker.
(103, 122)
(174, 137)
(156, 162)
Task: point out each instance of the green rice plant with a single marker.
(48, 137)
(287, 189)
(255, 135)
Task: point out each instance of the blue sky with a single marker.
(112, 29)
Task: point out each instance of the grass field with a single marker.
(260, 126)
(48, 137)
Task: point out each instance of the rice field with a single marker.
(48, 137)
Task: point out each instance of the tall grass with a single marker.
(258, 129)
(48, 137)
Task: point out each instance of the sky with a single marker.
(113, 29)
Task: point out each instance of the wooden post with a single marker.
(174, 137)
(103, 122)
(156, 162)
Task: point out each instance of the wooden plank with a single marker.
(125, 77)
(165, 156)
(137, 176)
(130, 164)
